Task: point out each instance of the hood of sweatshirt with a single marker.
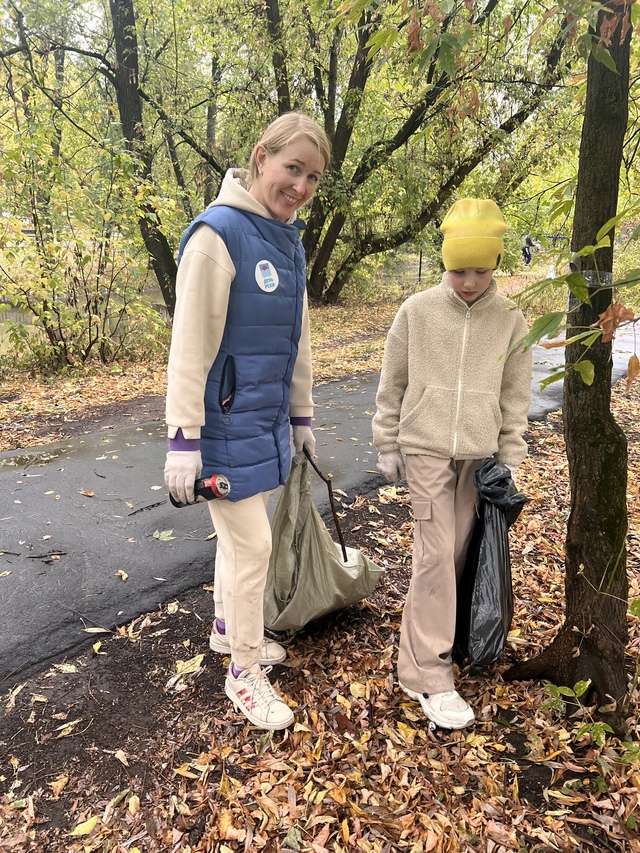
(234, 192)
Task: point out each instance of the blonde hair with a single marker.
(286, 129)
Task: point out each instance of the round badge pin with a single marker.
(266, 276)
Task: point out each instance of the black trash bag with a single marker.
(485, 597)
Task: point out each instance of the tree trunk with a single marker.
(278, 55)
(591, 643)
(126, 81)
(329, 202)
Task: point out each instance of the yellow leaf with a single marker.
(133, 805)
(358, 690)
(122, 574)
(183, 770)
(408, 732)
(58, 785)
(227, 829)
(67, 728)
(4, 574)
(344, 830)
(184, 667)
(338, 795)
(87, 827)
(172, 607)
(97, 631)
(632, 371)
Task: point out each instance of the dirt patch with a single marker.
(34, 428)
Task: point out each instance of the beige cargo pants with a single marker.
(242, 561)
(444, 501)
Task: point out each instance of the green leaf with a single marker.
(578, 286)
(634, 608)
(293, 839)
(631, 278)
(547, 326)
(450, 45)
(602, 55)
(584, 252)
(555, 376)
(586, 370)
(565, 691)
(589, 338)
(581, 687)
(562, 209)
(164, 535)
(609, 224)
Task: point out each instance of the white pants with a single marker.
(242, 560)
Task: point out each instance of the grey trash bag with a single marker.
(308, 576)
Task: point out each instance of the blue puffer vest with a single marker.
(246, 431)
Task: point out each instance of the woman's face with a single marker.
(288, 179)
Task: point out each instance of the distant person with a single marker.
(527, 250)
(452, 393)
(239, 375)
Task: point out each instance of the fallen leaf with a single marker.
(58, 785)
(121, 755)
(87, 827)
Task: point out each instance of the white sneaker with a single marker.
(270, 651)
(251, 692)
(447, 710)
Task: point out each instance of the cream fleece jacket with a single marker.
(204, 279)
(450, 384)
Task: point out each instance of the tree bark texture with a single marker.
(591, 643)
(126, 81)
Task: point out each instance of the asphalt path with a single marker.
(89, 539)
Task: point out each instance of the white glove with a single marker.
(303, 437)
(181, 470)
(391, 464)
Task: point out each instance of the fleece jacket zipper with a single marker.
(465, 335)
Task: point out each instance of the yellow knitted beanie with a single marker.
(473, 230)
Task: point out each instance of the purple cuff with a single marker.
(300, 421)
(182, 443)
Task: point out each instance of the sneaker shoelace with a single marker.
(259, 690)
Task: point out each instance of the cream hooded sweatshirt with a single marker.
(451, 385)
(204, 279)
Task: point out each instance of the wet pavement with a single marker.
(89, 539)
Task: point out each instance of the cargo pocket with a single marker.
(424, 550)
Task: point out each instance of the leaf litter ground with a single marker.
(132, 746)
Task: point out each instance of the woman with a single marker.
(239, 375)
